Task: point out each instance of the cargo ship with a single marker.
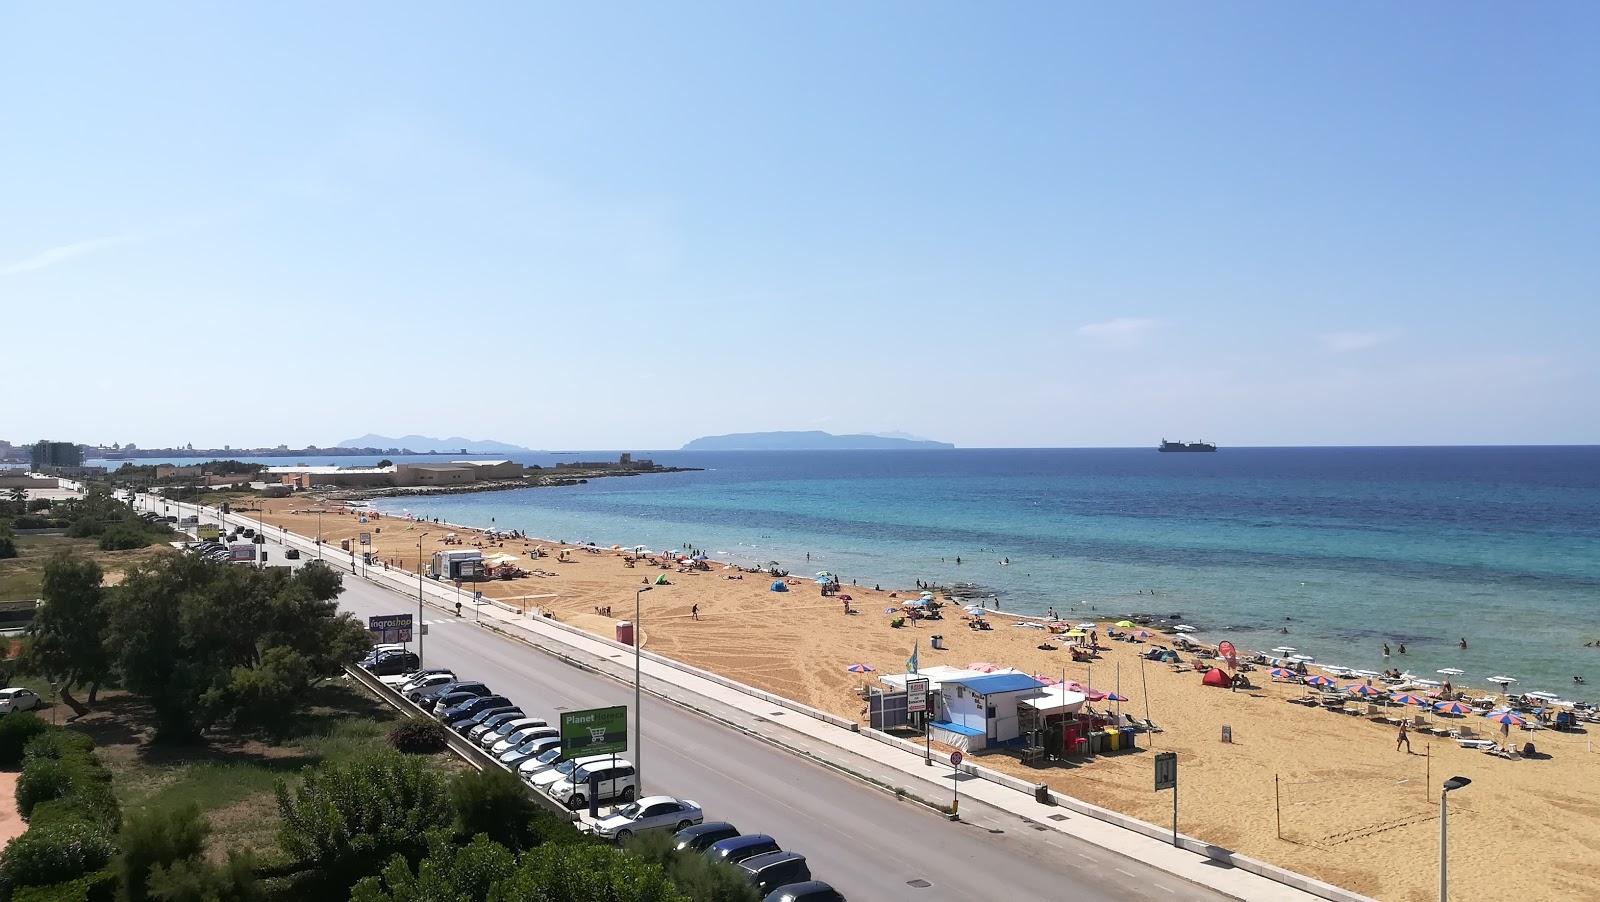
(1186, 446)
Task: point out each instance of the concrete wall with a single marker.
(963, 707)
(486, 470)
(27, 482)
(410, 474)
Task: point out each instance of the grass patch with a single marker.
(20, 577)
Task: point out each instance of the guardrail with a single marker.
(458, 744)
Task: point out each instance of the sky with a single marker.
(625, 226)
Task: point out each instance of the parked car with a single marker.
(466, 722)
(405, 682)
(444, 701)
(805, 891)
(522, 734)
(608, 779)
(470, 706)
(494, 720)
(18, 698)
(538, 764)
(511, 758)
(770, 870)
(377, 651)
(701, 836)
(292, 554)
(738, 848)
(649, 813)
(427, 696)
(395, 662)
(558, 772)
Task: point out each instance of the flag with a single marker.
(911, 662)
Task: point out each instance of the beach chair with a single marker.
(1483, 744)
(1464, 732)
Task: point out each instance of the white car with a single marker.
(613, 778)
(550, 776)
(405, 682)
(532, 748)
(18, 699)
(489, 738)
(538, 764)
(517, 738)
(649, 813)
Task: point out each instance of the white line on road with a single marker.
(1125, 873)
(1084, 857)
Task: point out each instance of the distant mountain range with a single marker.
(425, 444)
(809, 441)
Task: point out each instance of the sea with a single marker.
(1345, 548)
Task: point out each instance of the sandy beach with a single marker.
(1354, 811)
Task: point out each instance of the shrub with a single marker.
(15, 732)
(495, 803)
(198, 880)
(57, 743)
(419, 737)
(123, 537)
(31, 521)
(360, 811)
(8, 545)
(53, 853)
(101, 886)
(37, 504)
(158, 838)
(702, 879)
(42, 780)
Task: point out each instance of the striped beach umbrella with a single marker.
(1408, 698)
(1046, 679)
(1282, 673)
(1113, 697)
(1318, 680)
(1507, 718)
(1143, 634)
(984, 666)
(1455, 708)
(861, 668)
(1363, 690)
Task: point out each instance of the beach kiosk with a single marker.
(981, 711)
(457, 563)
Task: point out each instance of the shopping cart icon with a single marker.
(597, 734)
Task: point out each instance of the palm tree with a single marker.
(19, 495)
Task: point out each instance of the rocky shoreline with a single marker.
(533, 480)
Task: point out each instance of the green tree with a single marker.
(157, 838)
(69, 629)
(8, 541)
(449, 873)
(696, 876)
(493, 802)
(565, 872)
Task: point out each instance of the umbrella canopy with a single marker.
(1125, 623)
(1046, 679)
(1318, 680)
(1282, 673)
(1456, 708)
(1507, 718)
(1407, 698)
(1142, 634)
(1502, 680)
(1285, 649)
(917, 603)
(861, 668)
(1094, 695)
(984, 666)
(1363, 690)
(1087, 625)
(1075, 633)
(823, 573)
(1113, 697)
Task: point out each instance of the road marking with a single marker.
(1167, 889)
(1125, 873)
(1083, 856)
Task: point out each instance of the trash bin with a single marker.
(625, 632)
(1041, 793)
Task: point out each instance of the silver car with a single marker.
(507, 727)
(523, 735)
(529, 749)
(649, 813)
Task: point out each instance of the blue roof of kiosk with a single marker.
(994, 683)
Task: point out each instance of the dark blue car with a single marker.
(736, 849)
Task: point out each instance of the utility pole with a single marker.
(638, 712)
(419, 600)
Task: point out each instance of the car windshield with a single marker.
(581, 775)
(630, 811)
(550, 755)
(566, 767)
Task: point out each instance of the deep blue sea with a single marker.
(1346, 547)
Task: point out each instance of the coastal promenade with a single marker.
(1098, 856)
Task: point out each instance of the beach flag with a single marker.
(1228, 653)
(911, 662)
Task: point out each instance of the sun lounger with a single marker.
(1464, 732)
(1484, 744)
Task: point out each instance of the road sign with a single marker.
(596, 731)
(1166, 770)
(390, 627)
(366, 538)
(916, 696)
(955, 759)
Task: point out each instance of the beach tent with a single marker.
(778, 586)
(1216, 677)
(661, 579)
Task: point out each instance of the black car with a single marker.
(292, 554)
(445, 701)
(395, 663)
(700, 836)
(805, 891)
(427, 693)
(473, 714)
(771, 870)
(737, 848)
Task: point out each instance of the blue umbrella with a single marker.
(1452, 708)
(1318, 681)
(1507, 718)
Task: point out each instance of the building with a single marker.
(491, 469)
(56, 454)
(303, 477)
(168, 471)
(434, 474)
(980, 711)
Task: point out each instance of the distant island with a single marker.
(810, 441)
(425, 444)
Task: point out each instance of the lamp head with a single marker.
(1455, 783)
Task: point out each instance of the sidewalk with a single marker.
(836, 743)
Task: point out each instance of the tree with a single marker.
(493, 802)
(695, 875)
(69, 629)
(565, 872)
(8, 543)
(346, 816)
(158, 838)
(449, 873)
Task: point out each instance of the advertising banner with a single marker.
(597, 731)
(390, 627)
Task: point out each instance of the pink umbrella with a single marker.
(1094, 695)
(1073, 686)
(1047, 680)
(861, 668)
(984, 666)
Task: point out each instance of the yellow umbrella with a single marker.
(1125, 623)
(1074, 633)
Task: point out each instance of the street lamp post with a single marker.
(1450, 785)
(638, 712)
(319, 532)
(419, 600)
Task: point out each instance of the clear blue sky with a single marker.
(626, 226)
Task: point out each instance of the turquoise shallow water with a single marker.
(1345, 547)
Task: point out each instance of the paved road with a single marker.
(863, 841)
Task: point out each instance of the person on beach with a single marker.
(1402, 648)
(1463, 643)
(694, 612)
(1386, 649)
(1403, 739)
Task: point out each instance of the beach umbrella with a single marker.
(1087, 625)
(1076, 634)
(1125, 623)
(861, 668)
(1285, 649)
(1282, 673)
(984, 666)
(823, 573)
(1113, 697)
(1507, 718)
(1318, 680)
(915, 602)
(1094, 695)
(1456, 708)
(1046, 679)
(1142, 634)
(1363, 690)
(1406, 698)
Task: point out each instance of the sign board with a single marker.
(207, 531)
(366, 538)
(955, 759)
(390, 627)
(596, 731)
(241, 552)
(916, 696)
(1166, 770)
